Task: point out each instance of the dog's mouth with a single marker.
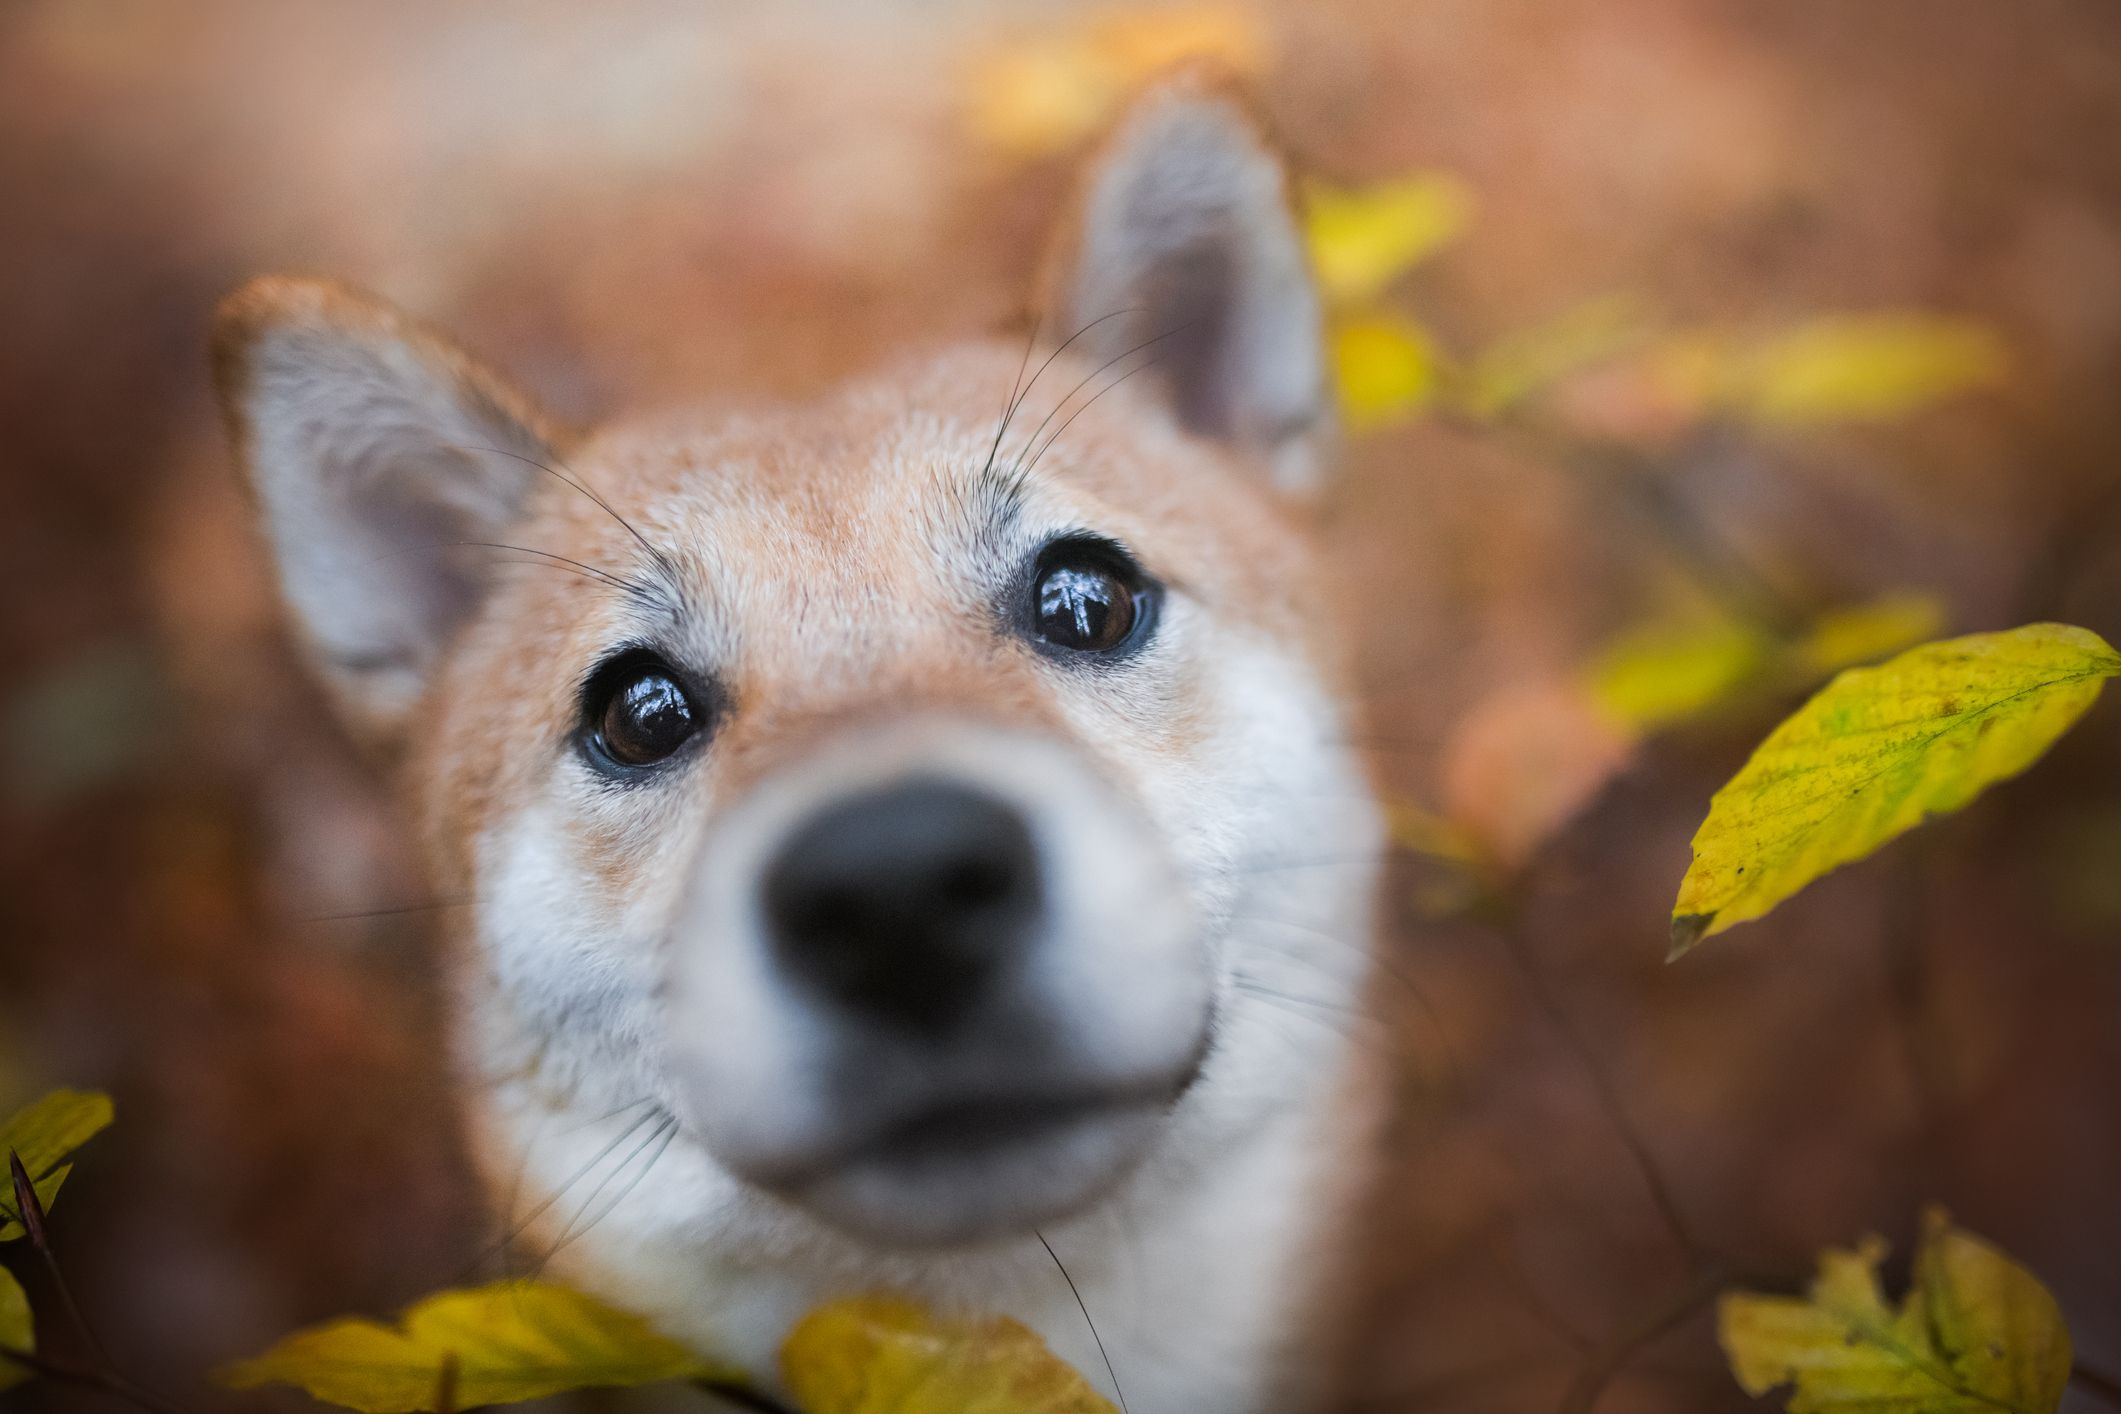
(964, 1169)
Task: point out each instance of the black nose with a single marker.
(902, 902)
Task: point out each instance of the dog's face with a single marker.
(920, 809)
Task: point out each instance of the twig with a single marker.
(30, 1211)
(742, 1396)
(1590, 1383)
(2102, 1387)
(107, 1380)
(1653, 1180)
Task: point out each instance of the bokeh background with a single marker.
(208, 909)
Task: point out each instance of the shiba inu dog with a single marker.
(906, 842)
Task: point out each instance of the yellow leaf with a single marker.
(1657, 676)
(1976, 1333)
(511, 1341)
(1868, 367)
(17, 1330)
(1363, 238)
(1522, 365)
(879, 1355)
(1041, 95)
(42, 1135)
(1864, 633)
(1386, 368)
(1876, 752)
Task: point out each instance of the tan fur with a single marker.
(836, 564)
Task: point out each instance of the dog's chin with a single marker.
(978, 1172)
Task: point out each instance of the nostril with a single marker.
(976, 883)
(903, 900)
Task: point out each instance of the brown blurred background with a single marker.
(628, 202)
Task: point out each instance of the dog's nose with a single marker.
(903, 901)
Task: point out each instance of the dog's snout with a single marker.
(904, 900)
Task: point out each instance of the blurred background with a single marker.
(1691, 348)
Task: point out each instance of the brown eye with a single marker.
(645, 714)
(1089, 597)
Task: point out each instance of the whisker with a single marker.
(601, 504)
(1146, 363)
(393, 911)
(1072, 1291)
(1016, 388)
(663, 1129)
(509, 1237)
(1091, 376)
(661, 1136)
(632, 587)
(1062, 348)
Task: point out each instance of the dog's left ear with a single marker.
(1186, 247)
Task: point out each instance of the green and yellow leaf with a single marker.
(17, 1330)
(1364, 238)
(511, 1341)
(1976, 1332)
(1386, 368)
(1876, 752)
(880, 1355)
(43, 1135)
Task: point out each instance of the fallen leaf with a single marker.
(511, 1341)
(1976, 1333)
(880, 1355)
(18, 1331)
(1364, 238)
(1876, 752)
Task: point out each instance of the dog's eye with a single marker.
(1088, 596)
(638, 712)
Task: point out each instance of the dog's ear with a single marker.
(378, 452)
(1185, 246)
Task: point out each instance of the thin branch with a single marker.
(30, 1209)
(1689, 1300)
(1653, 1180)
(2100, 1386)
(742, 1396)
(109, 1381)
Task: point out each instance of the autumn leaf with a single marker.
(1363, 238)
(1045, 93)
(1876, 752)
(511, 1341)
(1523, 762)
(17, 1330)
(1868, 367)
(1864, 633)
(1524, 364)
(42, 1135)
(1975, 1333)
(1385, 367)
(880, 1355)
(1662, 674)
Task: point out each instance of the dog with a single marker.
(908, 841)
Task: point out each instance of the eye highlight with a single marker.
(637, 713)
(1087, 595)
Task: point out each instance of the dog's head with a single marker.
(927, 812)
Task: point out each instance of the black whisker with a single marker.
(1021, 398)
(1092, 375)
(509, 1237)
(601, 504)
(394, 911)
(661, 1130)
(1063, 1269)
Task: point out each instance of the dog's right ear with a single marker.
(379, 452)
